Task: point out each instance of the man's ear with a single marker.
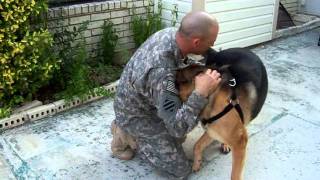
(196, 42)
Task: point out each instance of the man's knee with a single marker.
(172, 169)
(167, 156)
(182, 170)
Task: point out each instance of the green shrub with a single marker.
(79, 74)
(72, 79)
(144, 27)
(103, 69)
(25, 61)
(76, 75)
(108, 43)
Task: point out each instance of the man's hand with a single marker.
(206, 83)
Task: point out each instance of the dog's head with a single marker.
(213, 61)
(187, 74)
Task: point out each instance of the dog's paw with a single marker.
(225, 149)
(196, 165)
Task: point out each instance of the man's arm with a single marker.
(179, 118)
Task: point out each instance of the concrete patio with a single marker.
(284, 140)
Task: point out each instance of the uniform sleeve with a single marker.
(179, 118)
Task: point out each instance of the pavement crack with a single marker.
(310, 122)
(273, 120)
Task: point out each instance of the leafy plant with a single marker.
(108, 42)
(125, 55)
(72, 79)
(25, 64)
(65, 43)
(5, 112)
(144, 27)
(104, 70)
(100, 91)
(77, 81)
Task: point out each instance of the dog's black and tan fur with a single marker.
(251, 91)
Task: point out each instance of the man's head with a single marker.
(198, 32)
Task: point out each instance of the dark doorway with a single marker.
(284, 18)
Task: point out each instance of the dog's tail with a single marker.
(262, 92)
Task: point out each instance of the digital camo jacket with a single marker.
(147, 100)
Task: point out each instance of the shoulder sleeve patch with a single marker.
(169, 98)
(170, 84)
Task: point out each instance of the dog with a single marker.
(237, 100)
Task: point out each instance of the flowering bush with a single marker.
(26, 61)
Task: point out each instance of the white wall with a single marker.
(242, 22)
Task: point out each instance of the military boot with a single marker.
(123, 146)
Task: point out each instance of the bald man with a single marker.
(147, 105)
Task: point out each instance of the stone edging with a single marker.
(298, 29)
(50, 109)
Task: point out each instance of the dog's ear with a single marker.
(210, 57)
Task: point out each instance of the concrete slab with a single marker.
(5, 171)
(283, 141)
(294, 74)
(76, 145)
(286, 149)
(72, 145)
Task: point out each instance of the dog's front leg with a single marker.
(201, 144)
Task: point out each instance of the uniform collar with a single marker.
(180, 61)
(177, 52)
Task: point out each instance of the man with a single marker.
(147, 105)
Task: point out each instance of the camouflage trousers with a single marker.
(163, 151)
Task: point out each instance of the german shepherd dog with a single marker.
(237, 100)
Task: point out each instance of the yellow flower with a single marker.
(1, 37)
(14, 27)
(8, 76)
(2, 60)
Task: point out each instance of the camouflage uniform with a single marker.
(147, 105)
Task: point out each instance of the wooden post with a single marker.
(275, 17)
(198, 5)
